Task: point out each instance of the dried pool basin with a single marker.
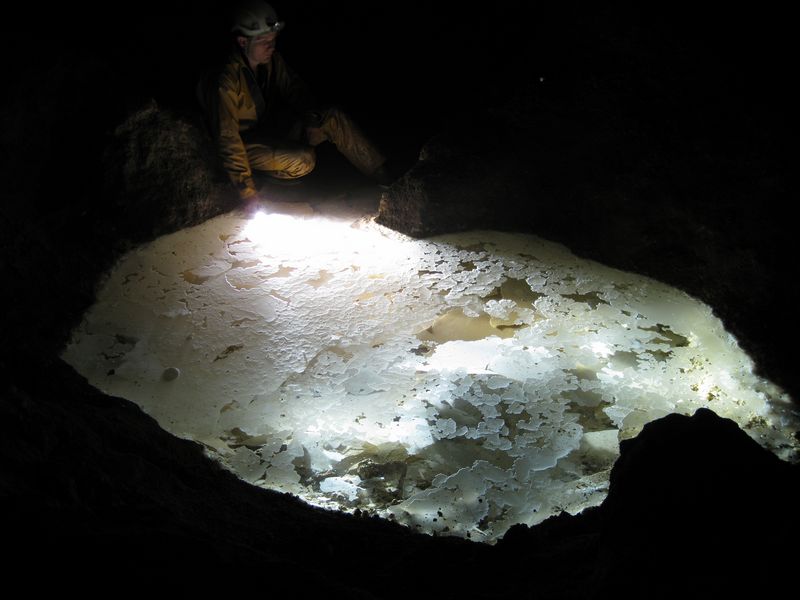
(459, 384)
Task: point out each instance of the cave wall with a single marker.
(653, 142)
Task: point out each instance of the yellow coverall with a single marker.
(257, 120)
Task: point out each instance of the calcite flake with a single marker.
(459, 384)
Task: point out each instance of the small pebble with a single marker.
(171, 374)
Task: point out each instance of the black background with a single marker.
(402, 65)
(85, 475)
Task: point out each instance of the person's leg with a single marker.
(348, 138)
(284, 161)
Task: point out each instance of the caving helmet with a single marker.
(255, 17)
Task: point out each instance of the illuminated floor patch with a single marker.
(459, 384)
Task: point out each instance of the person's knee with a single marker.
(335, 117)
(308, 160)
(288, 162)
(303, 162)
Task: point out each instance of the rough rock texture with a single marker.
(92, 492)
(692, 512)
(680, 468)
(161, 173)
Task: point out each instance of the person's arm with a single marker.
(229, 142)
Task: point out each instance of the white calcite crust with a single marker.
(459, 384)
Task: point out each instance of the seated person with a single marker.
(263, 117)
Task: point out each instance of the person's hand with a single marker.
(252, 204)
